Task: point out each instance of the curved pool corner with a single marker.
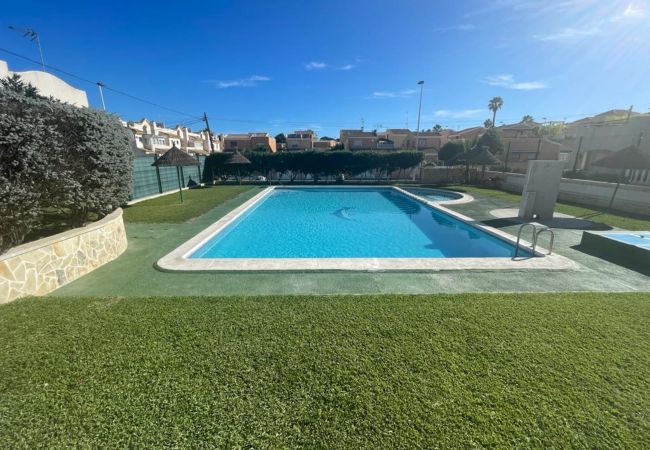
(439, 196)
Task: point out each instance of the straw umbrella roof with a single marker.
(628, 158)
(484, 158)
(237, 158)
(175, 157)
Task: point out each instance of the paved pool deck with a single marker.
(134, 274)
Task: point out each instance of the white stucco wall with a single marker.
(630, 198)
(49, 85)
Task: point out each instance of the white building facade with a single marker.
(154, 138)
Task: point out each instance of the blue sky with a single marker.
(280, 65)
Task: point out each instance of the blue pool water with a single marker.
(638, 238)
(435, 195)
(349, 223)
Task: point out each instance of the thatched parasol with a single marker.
(628, 158)
(238, 160)
(178, 158)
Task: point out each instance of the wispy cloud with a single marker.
(346, 67)
(460, 27)
(251, 81)
(458, 114)
(315, 65)
(508, 81)
(569, 33)
(631, 12)
(394, 94)
(529, 7)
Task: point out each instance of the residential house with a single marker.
(385, 144)
(48, 85)
(593, 138)
(154, 138)
(301, 140)
(324, 144)
(249, 141)
(520, 150)
(403, 138)
(468, 134)
(359, 139)
(518, 130)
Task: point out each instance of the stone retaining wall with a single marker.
(42, 266)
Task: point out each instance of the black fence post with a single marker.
(160, 189)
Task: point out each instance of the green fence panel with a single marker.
(145, 180)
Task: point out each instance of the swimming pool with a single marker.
(347, 228)
(349, 223)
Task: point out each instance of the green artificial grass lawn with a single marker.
(506, 370)
(168, 208)
(617, 220)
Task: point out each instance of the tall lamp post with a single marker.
(32, 35)
(417, 132)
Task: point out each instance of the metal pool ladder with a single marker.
(536, 234)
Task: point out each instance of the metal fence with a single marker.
(149, 180)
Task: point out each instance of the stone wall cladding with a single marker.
(42, 266)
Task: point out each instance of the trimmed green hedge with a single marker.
(312, 163)
(55, 156)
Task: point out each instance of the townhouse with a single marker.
(153, 137)
(249, 141)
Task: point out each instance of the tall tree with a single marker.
(527, 118)
(494, 105)
(488, 123)
(16, 84)
(437, 128)
(492, 140)
(281, 138)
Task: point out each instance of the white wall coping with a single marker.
(63, 236)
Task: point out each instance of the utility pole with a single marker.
(629, 113)
(32, 35)
(207, 126)
(417, 133)
(101, 94)
(575, 162)
(363, 123)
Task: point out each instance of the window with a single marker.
(160, 141)
(563, 157)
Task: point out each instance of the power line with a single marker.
(86, 80)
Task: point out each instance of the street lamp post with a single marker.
(417, 132)
(101, 93)
(32, 35)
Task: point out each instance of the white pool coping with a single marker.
(179, 260)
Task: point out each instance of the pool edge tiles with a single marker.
(180, 259)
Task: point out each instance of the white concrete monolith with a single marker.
(540, 189)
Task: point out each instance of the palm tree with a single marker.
(488, 123)
(495, 104)
(527, 118)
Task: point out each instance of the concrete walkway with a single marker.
(133, 273)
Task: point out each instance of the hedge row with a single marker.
(58, 157)
(328, 163)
